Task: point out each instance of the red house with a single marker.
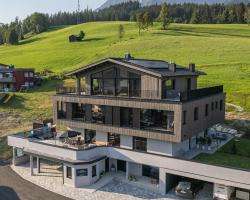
(13, 79)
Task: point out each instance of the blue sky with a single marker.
(9, 9)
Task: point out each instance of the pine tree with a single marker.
(12, 36)
(163, 17)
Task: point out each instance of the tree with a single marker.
(36, 23)
(82, 35)
(139, 21)
(147, 20)
(121, 32)
(163, 17)
(12, 36)
(247, 16)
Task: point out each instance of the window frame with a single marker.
(69, 172)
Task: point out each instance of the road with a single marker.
(13, 187)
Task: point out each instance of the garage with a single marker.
(184, 187)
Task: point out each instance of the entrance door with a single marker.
(107, 165)
(121, 165)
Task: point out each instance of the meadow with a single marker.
(222, 51)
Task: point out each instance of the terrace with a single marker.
(168, 95)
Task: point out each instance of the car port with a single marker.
(206, 193)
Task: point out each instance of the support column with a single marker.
(38, 165)
(78, 85)
(31, 166)
(162, 181)
(127, 170)
(14, 156)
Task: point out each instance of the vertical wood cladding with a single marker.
(150, 87)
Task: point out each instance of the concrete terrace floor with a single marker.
(114, 189)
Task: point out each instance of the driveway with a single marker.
(13, 187)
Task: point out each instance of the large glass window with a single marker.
(115, 81)
(157, 120)
(108, 86)
(98, 114)
(122, 88)
(140, 144)
(78, 111)
(90, 136)
(126, 116)
(114, 139)
(151, 172)
(97, 86)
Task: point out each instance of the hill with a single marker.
(222, 51)
(109, 3)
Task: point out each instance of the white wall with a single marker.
(126, 142)
(180, 148)
(135, 169)
(80, 181)
(159, 147)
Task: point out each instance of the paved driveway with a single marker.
(13, 187)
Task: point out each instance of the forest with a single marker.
(187, 13)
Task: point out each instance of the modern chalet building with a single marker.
(13, 79)
(135, 116)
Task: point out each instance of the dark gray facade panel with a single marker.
(116, 116)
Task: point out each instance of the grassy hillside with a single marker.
(220, 50)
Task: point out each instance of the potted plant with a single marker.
(198, 140)
(209, 142)
(203, 143)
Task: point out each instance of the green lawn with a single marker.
(235, 153)
(222, 51)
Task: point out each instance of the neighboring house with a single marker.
(13, 79)
(137, 117)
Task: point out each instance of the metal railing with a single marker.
(170, 95)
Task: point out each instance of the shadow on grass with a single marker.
(91, 39)
(207, 32)
(16, 102)
(30, 40)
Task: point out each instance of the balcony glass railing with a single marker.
(170, 95)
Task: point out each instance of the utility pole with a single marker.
(78, 12)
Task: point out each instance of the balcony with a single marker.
(170, 95)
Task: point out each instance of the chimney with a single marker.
(172, 67)
(128, 56)
(192, 67)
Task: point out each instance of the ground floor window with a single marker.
(19, 152)
(140, 144)
(82, 172)
(114, 139)
(151, 172)
(69, 172)
(94, 171)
